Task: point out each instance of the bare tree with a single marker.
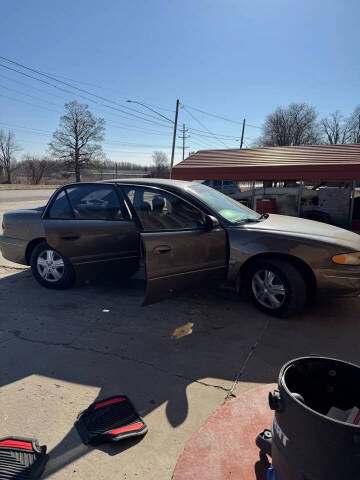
(77, 140)
(353, 123)
(336, 129)
(160, 167)
(8, 148)
(35, 167)
(292, 125)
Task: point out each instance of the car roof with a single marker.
(158, 182)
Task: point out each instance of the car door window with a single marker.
(159, 210)
(60, 208)
(96, 202)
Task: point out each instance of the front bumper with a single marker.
(342, 281)
(13, 249)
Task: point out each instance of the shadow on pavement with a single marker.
(99, 336)
(261, 467)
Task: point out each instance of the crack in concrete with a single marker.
(68, 345)
(230, 392)
(7, 267)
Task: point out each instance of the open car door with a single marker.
(181, 260)
(183, 248)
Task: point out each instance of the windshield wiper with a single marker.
(248, 220)
(263, 216)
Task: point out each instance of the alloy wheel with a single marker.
(50, 266)
(268, 289)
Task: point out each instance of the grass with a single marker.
(20, 186)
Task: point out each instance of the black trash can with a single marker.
(304, 442)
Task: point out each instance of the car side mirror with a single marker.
(210, 223)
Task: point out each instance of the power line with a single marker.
(134, 144)
(93, 101)
(28, 95)
(28, 103)
(35, 131)
(24, 128)
(203, 126)
(224, 137)
(58, 77)
(142, 114)
(88, 99)
(38, 134)
(141, 129)
(214, 115)
(32, 88)
(217, 136)
(223, 118)
(74, 81)
(87, 92)
(213, 143)
(130, 152)
(160, 108)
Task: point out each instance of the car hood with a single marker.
(307, 229)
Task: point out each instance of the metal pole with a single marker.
(242, 134)
(352, 201)
(299, 198)
(174, 136)
(253, 196)
(183, 139)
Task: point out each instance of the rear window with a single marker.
(96, 202)
(60, 208)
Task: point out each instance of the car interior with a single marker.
(164, 211)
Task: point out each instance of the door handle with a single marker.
(162, 249)
(70, 236)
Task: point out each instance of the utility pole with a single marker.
(183, 137)
(174, 136)
(116, 166)
(242, 134)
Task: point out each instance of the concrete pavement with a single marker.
(177, 360)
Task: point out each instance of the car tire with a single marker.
(276, 287)
(50, 268)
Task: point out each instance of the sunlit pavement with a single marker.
(177, 361)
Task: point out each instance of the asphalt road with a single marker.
(9, 196)
(177, 361)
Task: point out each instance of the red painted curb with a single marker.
(224, 447)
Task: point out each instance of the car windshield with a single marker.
(229, 209)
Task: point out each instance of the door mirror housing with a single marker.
(210, 223)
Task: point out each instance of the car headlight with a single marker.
(347, 258)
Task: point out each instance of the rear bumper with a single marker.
(13, 249)
(344, 281)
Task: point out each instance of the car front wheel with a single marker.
(50, 268)
(276, 287)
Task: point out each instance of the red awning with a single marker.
(318, 162)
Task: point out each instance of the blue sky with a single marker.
(233, 58)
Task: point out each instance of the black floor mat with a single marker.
(21, 458)
(111, 419)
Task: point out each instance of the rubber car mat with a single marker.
(21, 458)
(111, 419)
